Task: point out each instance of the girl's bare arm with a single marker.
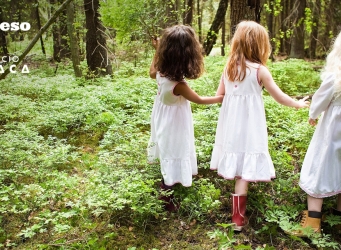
(183, 89)
(279, 96)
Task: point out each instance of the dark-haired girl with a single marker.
(178, 57)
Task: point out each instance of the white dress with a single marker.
(172, 135)
(321, 170)
(241, 143)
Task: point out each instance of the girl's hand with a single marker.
(312, 121)
(303, 103)
(155, 42)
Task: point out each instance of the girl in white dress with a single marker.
(241, 144)
(321, 171)
(178, 56)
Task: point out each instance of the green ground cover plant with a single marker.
(74, 173)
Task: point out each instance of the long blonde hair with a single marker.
(250, 42)
(333, 64)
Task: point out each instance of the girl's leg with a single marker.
(239, 199)
(314, 204)
(241, 187)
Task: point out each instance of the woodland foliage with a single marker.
(73, 167)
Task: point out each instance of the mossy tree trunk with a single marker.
(96, 49)
(212, 34)
(75, 57)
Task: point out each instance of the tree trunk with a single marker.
(314, 32)
(212, 34)
(75, 57)
(237, 14)
(286, 25)
(297, 42)
(243, 10)
(55, 35)
(39, 27)
(199, 14)
(3, 42)
(270, 23)
(188, 17)
(64, 45)
(96, 49)
(223, 38)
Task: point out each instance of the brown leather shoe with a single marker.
(310, 219)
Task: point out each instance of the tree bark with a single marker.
(188, 14)
(36, 37)
(297, 42)
(199, 14)
(39, 27)
(223, 38)
(96, 48)
(3, 42)
(243, 10)
(270, 23)
(75, 57)
(212, 34)
(314, 32)
(64, 45)
(55, 35)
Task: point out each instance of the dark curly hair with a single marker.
(179, 54)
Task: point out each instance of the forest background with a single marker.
(75, 105)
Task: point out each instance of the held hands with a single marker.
(220, 98)
(303, 103)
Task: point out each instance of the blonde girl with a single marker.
(321, 170)
(241, 151)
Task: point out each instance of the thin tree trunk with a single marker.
(75, 57)
(39, 27)
(55, 35)
(314, 31)
(212, 34)
(223, 37)
(36, 37)
(188, 19)
(270, 24)
(199, 13)
(64, 45)
(3, 42)
(96, 48)
(297, 42)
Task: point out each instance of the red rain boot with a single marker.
(238, 211)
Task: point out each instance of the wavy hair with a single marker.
(179, 54)
(333, 64)
(250, 42)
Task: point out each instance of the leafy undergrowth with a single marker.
(74, 175)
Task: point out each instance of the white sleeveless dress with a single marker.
(172, 135)
(321, 170)
(241, 142)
